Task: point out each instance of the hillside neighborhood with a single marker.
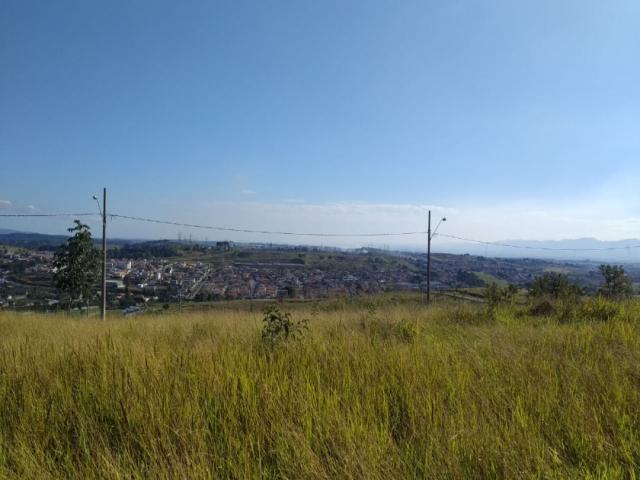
(224, 271)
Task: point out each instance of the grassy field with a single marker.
(386, 390)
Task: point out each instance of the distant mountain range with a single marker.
(622, 251)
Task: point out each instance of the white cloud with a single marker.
(8, 205)
(247, 191)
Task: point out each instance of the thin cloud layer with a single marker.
(489, 223)
(8, 207)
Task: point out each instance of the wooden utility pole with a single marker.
(103, 309)
(429, 260)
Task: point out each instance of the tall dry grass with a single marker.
(392, 391)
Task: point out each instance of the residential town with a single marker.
(229, 272)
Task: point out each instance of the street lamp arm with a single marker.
(443, 219)
(98, 202)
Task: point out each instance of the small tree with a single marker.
(494, 295)
(76, 264)
(616, 283)
(511, 292)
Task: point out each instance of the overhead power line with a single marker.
(267, 232)
(381, 234)
(322, 234)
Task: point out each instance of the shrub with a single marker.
(568, 310)
(495, 295)
(599, 309)
(543, 308)
(279, 327)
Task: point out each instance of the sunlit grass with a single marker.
(396, 391)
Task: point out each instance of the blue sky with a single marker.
(516, 119)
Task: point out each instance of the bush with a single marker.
(279, 327)
(543, 308)
(568, 310)
(495, 295)
(599, 309)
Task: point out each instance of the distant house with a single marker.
(115, 284)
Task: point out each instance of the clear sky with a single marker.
(518, 119)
